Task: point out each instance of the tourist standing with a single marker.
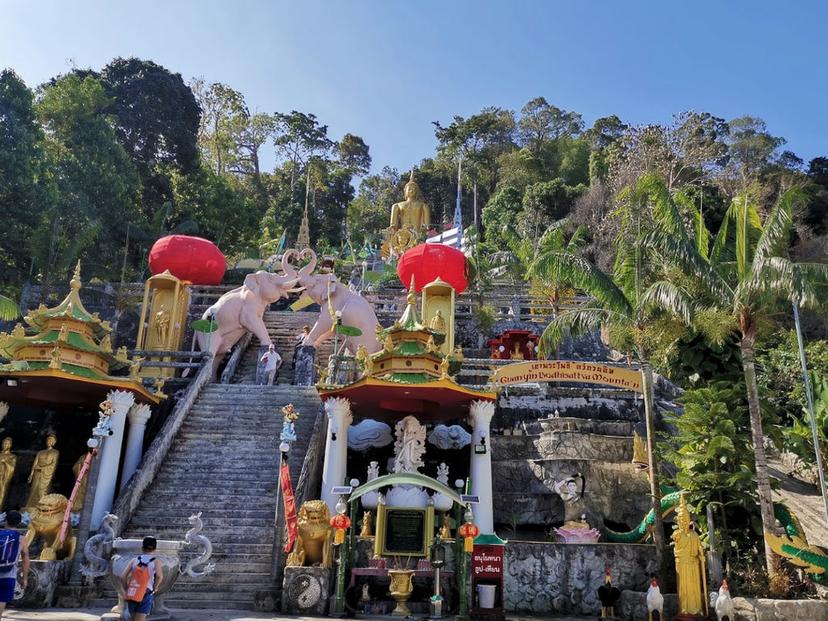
(12, 547)
(139, 580)
(268, 365)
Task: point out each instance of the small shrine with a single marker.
(514, 345)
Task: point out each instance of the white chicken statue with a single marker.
(724, 604)
(655, 601)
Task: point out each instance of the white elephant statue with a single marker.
(333, 297)
(241, 310)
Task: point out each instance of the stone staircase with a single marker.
(224, 463)
(283, 327)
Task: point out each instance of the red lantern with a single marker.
(468, 531)
(195, 259)
(340, 524)
(428, 262)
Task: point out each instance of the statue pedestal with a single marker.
(304, 373)
(44, 578)
(305, 590)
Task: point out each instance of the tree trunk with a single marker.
(762, 479)
(655, 490)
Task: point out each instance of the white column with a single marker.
(336, 448)
(480, 414)
(138, 416)
(110, 456)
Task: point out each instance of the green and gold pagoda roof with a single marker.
(409, 375)
(66, 343)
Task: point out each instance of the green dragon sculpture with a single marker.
(792, 545)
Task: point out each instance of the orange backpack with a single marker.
(139, 581)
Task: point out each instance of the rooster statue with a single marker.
(609, 596)
(655, 601)
(724, 604)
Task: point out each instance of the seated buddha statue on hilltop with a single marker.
(409, 220)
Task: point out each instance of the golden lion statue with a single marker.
(313, 546)
(47, 518)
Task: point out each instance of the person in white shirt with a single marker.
(268, 365)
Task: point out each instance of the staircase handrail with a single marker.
(132, 493)
(235, 358)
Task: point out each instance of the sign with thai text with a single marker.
(568, 371)
(487, 562)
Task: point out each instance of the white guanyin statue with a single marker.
(408, 457)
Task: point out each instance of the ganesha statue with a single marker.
(46, 522)
(313, 545)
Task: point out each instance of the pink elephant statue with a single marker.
(241, 310)
(334, 297)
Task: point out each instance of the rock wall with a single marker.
(544, 578)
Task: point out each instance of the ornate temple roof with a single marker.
(409, 375)
(65, 345)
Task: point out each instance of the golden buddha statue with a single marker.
(690, 570)
(81, 495)
(516, 354)
(409, 220)
(8, 462)
(43, 470)
(437, 323)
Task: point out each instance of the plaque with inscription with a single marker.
(405, 531)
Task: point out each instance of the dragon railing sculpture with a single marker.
(792, 545)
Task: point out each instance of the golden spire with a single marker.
(411, 176)
(75, 283)
(411, 298)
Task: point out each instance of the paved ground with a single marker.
(55, 614)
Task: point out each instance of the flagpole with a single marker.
(810, 399)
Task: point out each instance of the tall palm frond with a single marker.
(573, 323)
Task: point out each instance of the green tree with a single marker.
(368, 213)
(543, 204)
(300, 137)
(98, 185)
(707, 449)
(501, 213)
(26, 188)
(541, 123)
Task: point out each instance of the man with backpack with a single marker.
(139, 579)
(12, 545)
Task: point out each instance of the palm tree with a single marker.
(744, 277)
(554, 241)
(8, 309)
(630, 305)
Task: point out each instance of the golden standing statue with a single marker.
(516, 354)
(43, 470)
(690, 570)
(8, 462)
(162, 325)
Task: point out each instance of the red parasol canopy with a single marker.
(428, 262)
(189, 258)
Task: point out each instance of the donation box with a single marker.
(487, 580)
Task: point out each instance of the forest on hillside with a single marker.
(99, 164)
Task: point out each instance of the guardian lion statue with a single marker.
(47, 518)
(313, 546)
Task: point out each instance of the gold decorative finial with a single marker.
(75, 283)
(411, 176)
(411, 298)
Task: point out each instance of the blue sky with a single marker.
(384, 69)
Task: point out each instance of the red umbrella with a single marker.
(428, 262)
